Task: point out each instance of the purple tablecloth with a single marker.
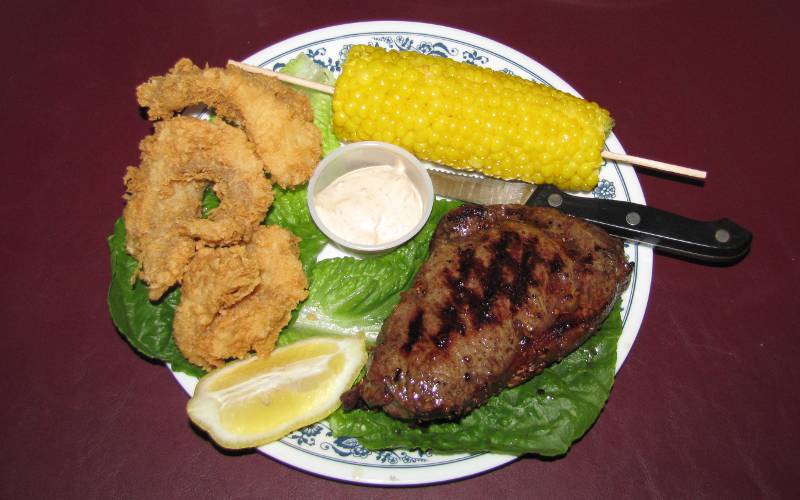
(706, 404)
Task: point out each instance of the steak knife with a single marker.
(720, 241)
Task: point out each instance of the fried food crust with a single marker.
(164, 196)
(277, 119)
(236, 300)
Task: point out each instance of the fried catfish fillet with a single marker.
(164, 196)
(277, 119)
(236, 300)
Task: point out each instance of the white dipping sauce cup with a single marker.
(367, 154)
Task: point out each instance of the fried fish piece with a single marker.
(276, 118)
(164, 196)
(236, 300)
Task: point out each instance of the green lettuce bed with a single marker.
(349, 296)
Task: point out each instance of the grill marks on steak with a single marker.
(506, 291)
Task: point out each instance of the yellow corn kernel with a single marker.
(470, 118)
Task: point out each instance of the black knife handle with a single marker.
(721, 241)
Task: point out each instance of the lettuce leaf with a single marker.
(350, 296)
(544, 415)
(304, 67)
(290, 210)
(146, 325)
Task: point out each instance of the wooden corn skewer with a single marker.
(655, 165)
(608, 155)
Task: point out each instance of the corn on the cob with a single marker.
(470, 118)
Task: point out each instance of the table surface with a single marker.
(706, 403)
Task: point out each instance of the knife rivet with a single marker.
(722, 235)
(555, 200)
(633, 218)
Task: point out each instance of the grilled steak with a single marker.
(506, 291)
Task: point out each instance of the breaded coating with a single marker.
(276, 118)
(221, 314)
(163, 213)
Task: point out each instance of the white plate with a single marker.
(314, 449)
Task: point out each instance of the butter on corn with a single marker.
(470, 118)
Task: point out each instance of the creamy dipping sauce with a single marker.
(371, 205)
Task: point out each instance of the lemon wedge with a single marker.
(254, 401)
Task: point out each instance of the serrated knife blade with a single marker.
(481, 190)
